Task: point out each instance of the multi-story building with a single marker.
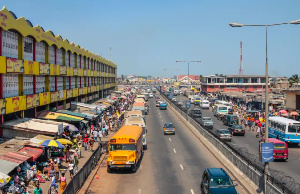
(240, 83)
(184, 79)
(40, 70)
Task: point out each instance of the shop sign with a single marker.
(44, 98)
(31, 67)
(92, 73)
(54, 69)
(69, 93)
(84, 72)
(75, 92)
(97, 87)
(2, 64)
(80, 72)
(54, 96)
(62, 94)
(14, 66)
(32, 101)
(88, 90)
(69, 71)
(92, 88)
(44, 69)
(75, 71)
(89, 72)
(80, 91)
(63, 70)
(85, 90)
(2, 107)
(15, 104)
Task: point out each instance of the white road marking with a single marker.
(141, 166)
(181, 167)
(174, 151)
(170, 139)
(140, 191)
(192, 191)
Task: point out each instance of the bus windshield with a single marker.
(279, 146)
(114, 147)
(222, 108)
(294, 129)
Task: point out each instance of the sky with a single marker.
(148, 37)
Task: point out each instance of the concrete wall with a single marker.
(290, 100)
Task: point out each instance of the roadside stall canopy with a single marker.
(11, 146)
(79, 107)
(40, 138)
(7, 166)
(72, 113)
(59, 116)
(15, 157)
(33, 152)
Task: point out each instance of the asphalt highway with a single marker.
(249, 141)
(172, 164)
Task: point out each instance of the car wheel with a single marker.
(145, 147)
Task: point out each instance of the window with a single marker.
(294, 128)
(114, 147)
(220, 182)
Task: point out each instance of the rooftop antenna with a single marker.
(241, 59)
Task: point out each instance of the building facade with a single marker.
(40, 70)
(250, 83)
(184, 79)
(292, 99)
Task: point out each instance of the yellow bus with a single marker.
(125, 148)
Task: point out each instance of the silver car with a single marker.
(224, 134)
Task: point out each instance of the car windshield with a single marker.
(224, 132)
(197, 111)
(237, 127)
(197, 98)
(206, 119)
(220, 182)
(169, 125)
(114, 147)
(204, 102)
(222, 108)
(279, 146)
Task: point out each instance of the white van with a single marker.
(220, 110)
(139, 122)
(204, 104)
(191, 98)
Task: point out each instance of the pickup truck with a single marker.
(163, 106)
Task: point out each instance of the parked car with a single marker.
(151, 95)
(216, 181)
(180, 103)
(163, 105)
(158, 103)
(237, 130)
(196, 113)
(174, 99)
(224, 134)
(169, 129)
(230, 120)
(207, 122)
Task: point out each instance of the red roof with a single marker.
(192, 77)
(15, 157)
(33, 152)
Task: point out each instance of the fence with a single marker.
(78, 180)
(249, 164)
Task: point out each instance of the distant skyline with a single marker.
(147, 37)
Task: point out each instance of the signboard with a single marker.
(75, 92)
(97, 87)
(2, 107)
(75, 71)
(62, 94)
(54, 96)
(80, 92)
(92, 73)
(44, 98)
(188, 104)
(54, 69)
(88, 72)
(80, 72)
(15, 104)
(92, 88)
(14, 66)
(84, 72)
(69, 93)
(31, 67)
(88, 90)
(267, 152)
(63, 70)
(44, 69)
(70, 71)
(32, 101)
(85, 90)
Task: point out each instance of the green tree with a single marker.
(294, 79)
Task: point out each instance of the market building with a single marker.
(234, 83)
(42, 71)
(292, 99)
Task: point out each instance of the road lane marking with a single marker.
(140, 191)
(174, 151)
(192, 191)
(141, 166)
(181, 167)
(170, 139)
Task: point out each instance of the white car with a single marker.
(158, 103)
(151, 95)
(174, 99)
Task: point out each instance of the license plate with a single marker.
(119, 166)
(169, 132)
(279, 154)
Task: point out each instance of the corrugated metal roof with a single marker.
(6, 166)
(72, 113)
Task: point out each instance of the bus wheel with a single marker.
(133, 168)
(108, 169)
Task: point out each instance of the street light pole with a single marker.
(266, 172)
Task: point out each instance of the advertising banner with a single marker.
(32, 100)
(92, 88)
(63, 70)
(62, 94)
(75, 92)
(69, 93)
(54, 69)
(89, 72)
(44, 69)
(80, 72)
(84, 72)
(2, 107)
(92, 73)
(85, 90)
(267, 152)
(45, 98)
(75, 71)
(54, 96)
(15, 104)
(31, 67)
(88, 90)
(14, 66)
(69, 71)
(80, 91)
(97, 87)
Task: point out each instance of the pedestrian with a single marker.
(95, 133)
(257, 132)
(63, 183)
(51, 174)
(100, 136)
(71, 169)
(56, 168)
(91, 143)
(103, 130)
(38, 190)
(25, 191)
(85, 142)
(68, 153)
(79, 149)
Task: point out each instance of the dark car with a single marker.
(217, 180)
(169, 129)
(237, 130)
(230, 120)
(196, 113)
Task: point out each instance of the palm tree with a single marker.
(294, 79)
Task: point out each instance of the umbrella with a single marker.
(52, 143)
(64, 141)
(4, 179)
(71, 127)
(284, 115)
(282, 111)
(294, 113)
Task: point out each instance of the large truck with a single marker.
(197, 100)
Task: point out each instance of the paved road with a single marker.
(172, 164)
(249, 141)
